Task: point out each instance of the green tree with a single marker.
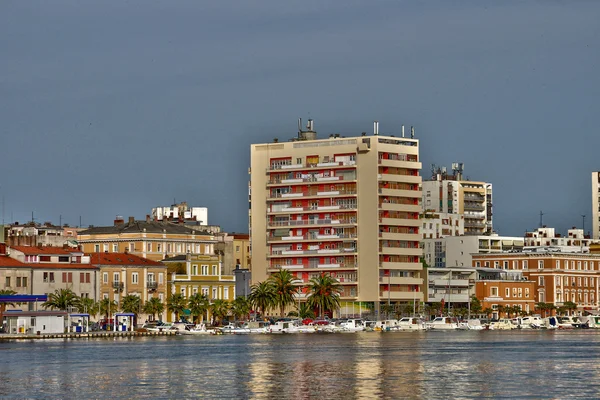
(61, 299)
(87, 305)
(153, 307)
(387, 309)
(240, 307)
(487, 312)
(324, 293)
(542, 307)
(435, 308)
(305, 311)
(131, 304)
(107, 307)
(198, 305)
(219, 310)
(475, 306)
(176, 304)
(570, 306)
(283, 285)
(5, 292)
(262, 296)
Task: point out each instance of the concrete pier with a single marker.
(86, 335)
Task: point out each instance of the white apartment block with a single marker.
(438, 225)
(574, 242)
(344, 206)
(455, 251)
(452, 195)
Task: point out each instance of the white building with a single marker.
(455, 251)
(596, 205)
(453, 285)
(452, 194)
(574, 242)
(438, 225)
(182, 212)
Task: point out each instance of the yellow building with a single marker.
(154, 240)
(241, 250)
(192, 274)
(123, 274)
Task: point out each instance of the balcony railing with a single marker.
(314, 266)
(311, 165)
(316, 208)
(152, 286)
(311, 179)
(308, 252)
(308, 193)
(312, 237)
(118, 286)
(313, 222)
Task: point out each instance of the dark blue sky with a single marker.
(114, 107)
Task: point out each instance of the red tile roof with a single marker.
(45, 250)
(6, 261)
(122, 259)
(62, 266)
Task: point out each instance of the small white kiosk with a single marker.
(124, 322)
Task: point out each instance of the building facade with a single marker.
(596, 205)
(575, 241)
(497, 288)
(451, 194)
(154, 240)
(438, 225)
(123, 274)
(199, 274)
(558, 277)
(450, 285)
(348, 207)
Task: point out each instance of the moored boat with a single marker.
(443, 323)
(411, 324)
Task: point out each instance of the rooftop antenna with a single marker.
(541, 219)
(375, 127)
(412, 132)
(402, 130)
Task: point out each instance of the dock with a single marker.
(85, 335)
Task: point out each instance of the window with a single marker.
(494, 291)
(134, 277)
(63, 259)
(149, 247)
(520, 292)
(105, 295)
(541, 280)
(116, 277)
(237, 248)
(67, 277)
(132, 247)
(195, 291)
(505, 266)
(87, 277)
(477, 264)
(557, 280)
(158, 247)
(496, 264)
(160, 278)
(591, 269)
(540, 264)
(105, 247)
(183, 292)
(514, 294)
(585, 265)
(592, 281)
(525, 266)
(97, 248)
(507, 292)
(8, 281)
(205, 292)
(179, 247)
(105, 277)
(515, 264)
(578, 281)
(194, 270)
(18, 281)
(81, 277)
(214, 293)
(579, 265)
(527, 292)
(160, 297)
(150, 277)
(557, 264)
(585, 281)
(214, 270)
(226, 293)
(115, 248)
(204, 270)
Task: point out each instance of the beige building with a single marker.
(154, 240)
(452, 194)
(125, 274)
(596, 205)
(346, 206)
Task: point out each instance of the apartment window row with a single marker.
(135, 278)
(151, 247)
(541, 264)
(515, 292)
(21, 282)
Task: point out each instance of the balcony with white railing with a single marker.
(408, 295)
(400, 163)
(311, 222)
(399, 178)
(401, 192)
(312, 237)
(289, 210)
(405, 251)
(315, 267)
(400, 280)
(312, 194)
(330, 164)
(294, 181)
(308, 252)
(402, 266)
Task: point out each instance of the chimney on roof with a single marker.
(119, 220)
(131, 220)
(147, 217)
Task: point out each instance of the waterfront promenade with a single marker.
(87, 335)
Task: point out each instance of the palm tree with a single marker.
(305, 311)
(387, 309)
(325, 293)
(262, 296)
(176, 304)
(488, 312)
(131, 304)
(5, 292)
(240, 307)
(87, 305)
(570, 306)
(107, 307)
(475, 305)
(153, 306)
(219, 309)
(284, 289)
(543, 307)
(198, 305)
(61, 299)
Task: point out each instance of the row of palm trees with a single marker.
(279, 292)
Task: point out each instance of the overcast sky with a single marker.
(114, 107)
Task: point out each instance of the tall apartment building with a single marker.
(596, 205)
(345, 206)
(452, 194)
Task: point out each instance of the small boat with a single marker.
(160, 327)
(501, 325)
(568, 322)
(411, 324)
(284, 327)
(590, 321)
(229, 328)
(252, 327)
(387, 325)
(550, 323)
(352, 325)
(199, 329)
(443, 324)
(530, 322)
(471, 325)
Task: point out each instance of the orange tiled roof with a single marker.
(61, 266)
(6, 261)
(121, 259)
(44, 250)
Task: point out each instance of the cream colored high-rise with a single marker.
(595, 205)
(345, 206)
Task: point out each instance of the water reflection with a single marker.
(367, 365)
